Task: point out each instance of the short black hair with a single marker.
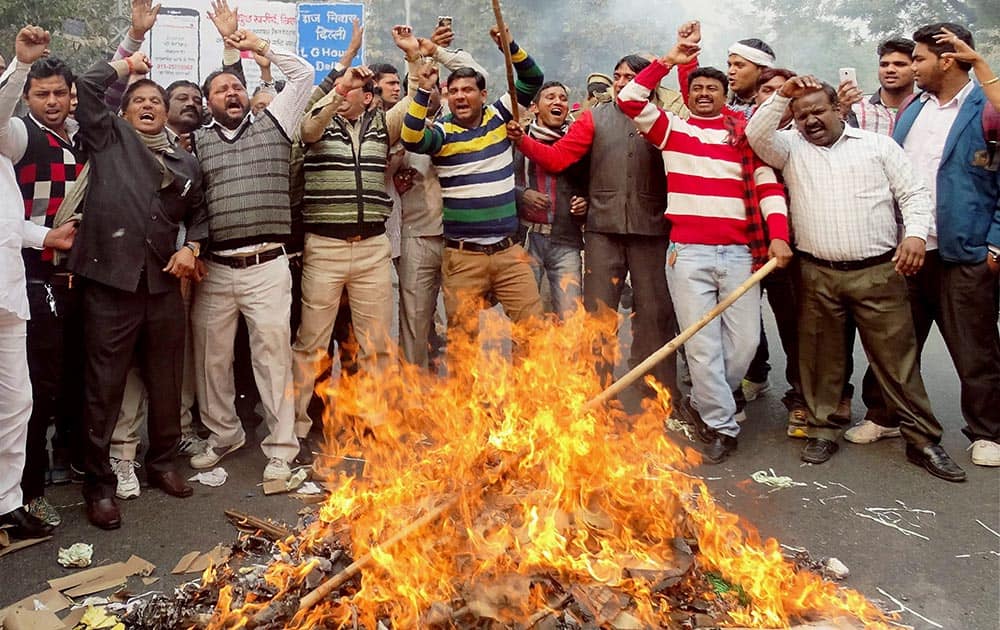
(759, 44)
(710, 73)
(182, 83)
(635, 63)
(468, 73)
(769, 73)
(547, 85)
(896, 44)
(925, 35)
(135, 85)
(46, 68)
(211, 77)
(382, 69)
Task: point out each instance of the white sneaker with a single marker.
(753, 390)
(128, 483)
(985, 453)
(191, 445)
(211, 456)
(866, 432)
(277, 469)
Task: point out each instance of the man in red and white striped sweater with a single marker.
(722, 203)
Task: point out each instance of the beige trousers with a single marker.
(263, 294)
(329, 265)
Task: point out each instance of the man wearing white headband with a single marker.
(747, 58)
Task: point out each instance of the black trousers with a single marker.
(607, 258)
(55, 366)
(964, 301)
(121, 325)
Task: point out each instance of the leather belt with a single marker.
(242, 262)
(55, 280)
(479, 248)
(540, 228)
(849, 265)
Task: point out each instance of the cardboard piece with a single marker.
(275, 486)
(82, 577)
(215, 557)
(185, 562)
(101, 578)
(22, 619)
(20, 544)
(51, 600)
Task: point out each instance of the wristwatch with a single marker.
(194, 247)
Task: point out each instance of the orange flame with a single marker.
(543, 487)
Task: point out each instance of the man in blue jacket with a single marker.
(942, 131)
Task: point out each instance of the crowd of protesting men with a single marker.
(191, 246)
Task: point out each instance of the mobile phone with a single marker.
(848, 74)
(444, 20)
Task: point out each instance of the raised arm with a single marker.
(410, 46)
(326, 85)
(96, 120)
(416, 136)
(316, 120)
(31, 44)
(439, 48)
(144, 16)
(287, 107)
(529, 76)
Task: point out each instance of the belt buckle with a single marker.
(354, 239)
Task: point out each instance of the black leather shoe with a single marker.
(719, 449)
(171, 483)
(690, 415)
(305, 456)
(24, 525)
(933, 458)
(104, 513)
(818, 450)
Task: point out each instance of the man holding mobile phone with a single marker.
(895, 76)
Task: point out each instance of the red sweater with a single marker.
(705, 188)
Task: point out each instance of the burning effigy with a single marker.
(497, 497)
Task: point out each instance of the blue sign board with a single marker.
(325, 32)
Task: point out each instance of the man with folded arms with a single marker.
(843, 185)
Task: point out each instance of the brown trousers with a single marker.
(877, 301)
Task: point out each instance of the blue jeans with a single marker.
(718, 356)
(563, 267)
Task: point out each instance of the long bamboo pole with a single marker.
(670, 347)
(505, 46)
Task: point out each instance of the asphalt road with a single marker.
(949, 576)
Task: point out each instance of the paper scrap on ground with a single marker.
(768, 478)
(77, 555)
(100, 619)
(212, 478)
(310, 487)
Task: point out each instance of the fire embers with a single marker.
(496, 497)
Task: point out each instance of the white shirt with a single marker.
(841, 196)
(15, 232)
(925, 142)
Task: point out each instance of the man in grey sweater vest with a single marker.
(245, 162)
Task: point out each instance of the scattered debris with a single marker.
(768, 478)
(10, 546)
(836, 569)
(100, 619)
(310, 487)
(212, 478)
(78, 555)
(197, 562)
(989, 529)
(252, 524)
(99, 579)
(897, 517)
(904, 608)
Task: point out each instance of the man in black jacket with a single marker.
(140, 188)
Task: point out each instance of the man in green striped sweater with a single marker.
(474, 162)
(345, 207)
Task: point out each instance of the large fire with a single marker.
(527, 495)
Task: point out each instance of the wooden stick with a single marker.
(247, 521)
(505, 46)
(355, 567)
(635, 373)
